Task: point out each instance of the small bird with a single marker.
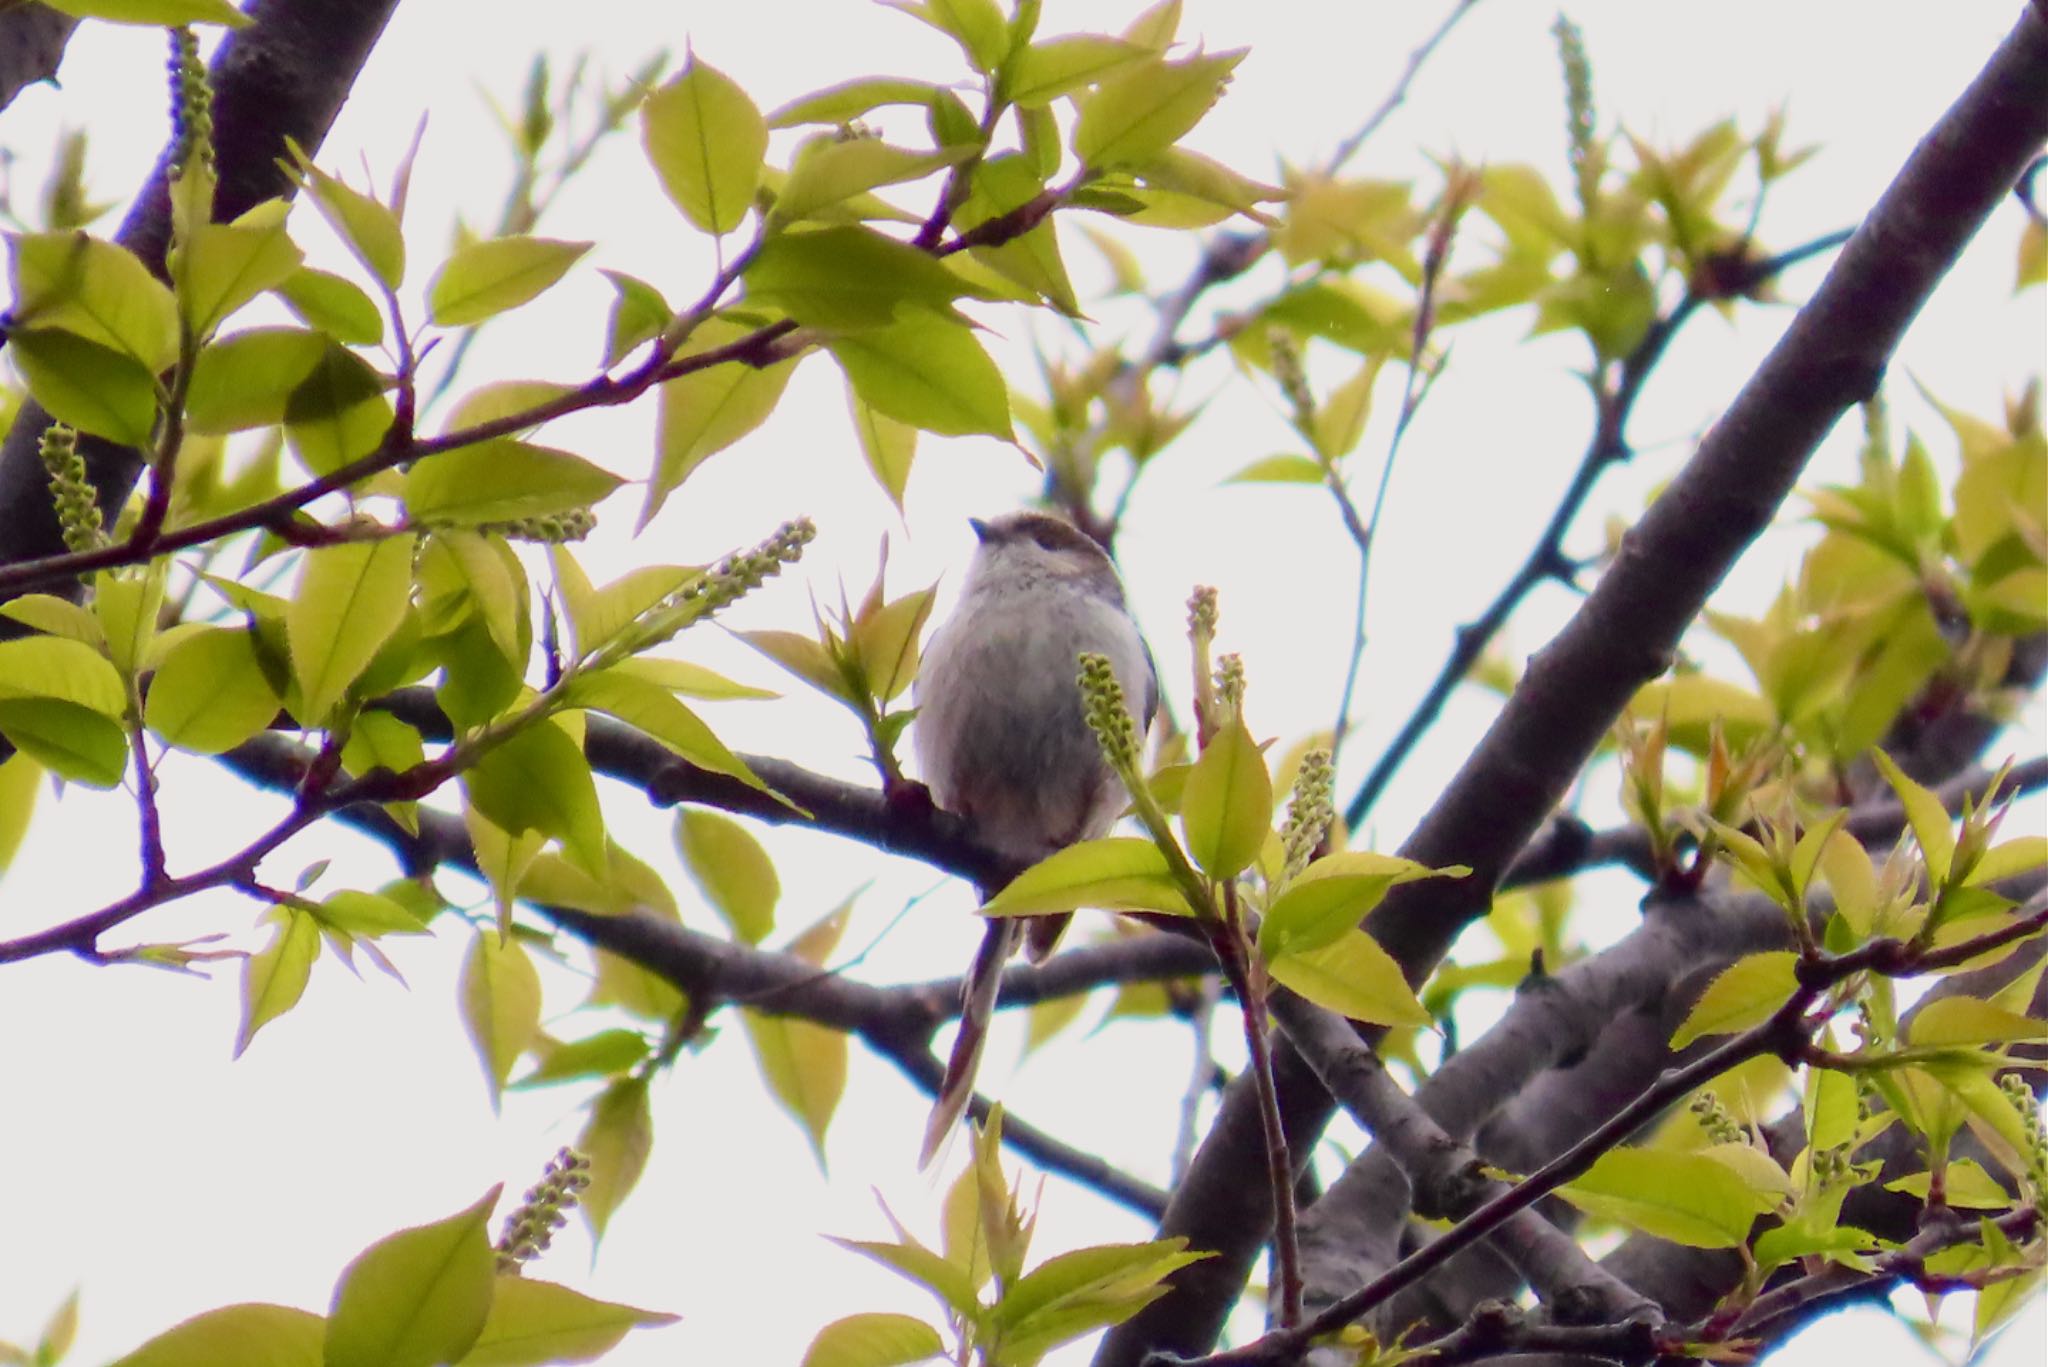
(1002, 740)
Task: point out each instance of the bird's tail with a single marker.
(977, 1008)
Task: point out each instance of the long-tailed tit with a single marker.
(1001, 737)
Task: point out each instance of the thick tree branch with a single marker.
(1832, 356)
(32, 42)
(284, 76)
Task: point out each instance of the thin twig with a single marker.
(1547, 560)
(1397, 96)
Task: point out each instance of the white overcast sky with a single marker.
(166, 1179)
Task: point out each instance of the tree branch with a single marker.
(1831, 356)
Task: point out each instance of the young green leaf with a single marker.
(247, 378)
(94, 290)
(705, 139)
(828, 171)
(91, 387)
(804, 1065)
(538, 780)
(1227, 807)
(1332, 895)
(1059, 66)
(890, 446)
(211, 692)
(533, 1323)
(502, 481)
(1929, 819)
(1116, 873)
(1687, 1198)
(416, 1298)
(847, 101)
(618, 1137)
(1352, 976)
(874, 1340)
(929, 373)
(334, 305)
(337, 412)
(350, 599)
(486, 278)
(275, 977)
(732, 871)
(849, 277)
(500, 995)
(705, 411)
(1743, 994)
(222, 266)
(157, 13)
(368, 229)
(271, 1334)
(657, 712)
(1145, 109)
(52, 667)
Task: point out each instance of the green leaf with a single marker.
(848, 277)
(275, 977)
(656, 711)
(607, 1054)
(639, 314)
(52, 667)
(500, 995)
(74, 743)
(538, 780)
(946, 1280)
(350, 599)
(598, 616)
(533, 1323)
(1743, 994)
(222, 266)
(1352, 976)
(705, 411)
(157, 13)
(828, 171)
(1968, 1020)
(416, 1298)
(97, 291)
(804, 1065)
(251, 1335)
(1116, 873)
(1687, 1198)
(56, 616)
(1087, 1288)
(486, 278)
(334, 305)
(1280, 469)
(617, 1139)
(1929, 819)
(732, 871)
(874, 1340)
(502, 481)
(247, 379)
(690, 680)
(211, 692)
(128, 606)
(1059, 66)
(890, 446)
(1964, 1184)
(368, 914)
(1226, 808)
(705, 139)
(803, 657)
(368, 229)
(20, 782)
(847, 101)
(1146, 109)
(337, 413)
(884, 640)
(929, 373)
(977, 26)
(91, 387)
(1332, 895)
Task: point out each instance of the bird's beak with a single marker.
(980, 529)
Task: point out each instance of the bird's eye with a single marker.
(1045, 539)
